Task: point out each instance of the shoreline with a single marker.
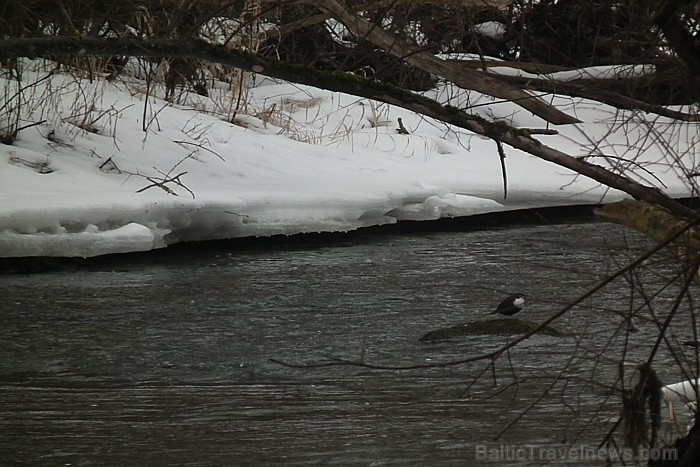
(579, 213)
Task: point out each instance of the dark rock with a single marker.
(506, 326)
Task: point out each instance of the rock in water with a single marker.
(486, 327)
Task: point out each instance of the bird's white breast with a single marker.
(519, 302)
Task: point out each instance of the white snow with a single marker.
(492, 29)
(90, 181)
(593, 72)
(682, 394)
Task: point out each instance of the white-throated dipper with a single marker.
(511, 305)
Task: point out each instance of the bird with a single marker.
(511, 305)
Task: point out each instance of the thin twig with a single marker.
(201, 146)
(162, 184)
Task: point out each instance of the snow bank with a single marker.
(90, 181)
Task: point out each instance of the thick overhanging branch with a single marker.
(464, 78)
(587, 90)
(659, 225)
(50, 47)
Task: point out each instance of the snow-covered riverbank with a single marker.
(90, 181)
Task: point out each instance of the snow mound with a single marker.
(90, 242)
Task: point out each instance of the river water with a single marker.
(168, 358)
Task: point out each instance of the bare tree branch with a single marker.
(465, 78)
(684, 43)
(587, 89)
(288, 28)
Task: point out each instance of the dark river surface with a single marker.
(168, 359)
